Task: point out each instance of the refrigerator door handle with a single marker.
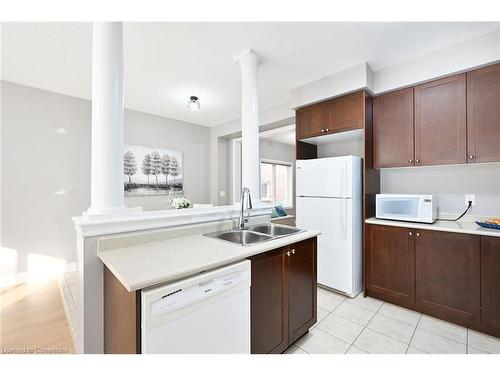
(344, 219)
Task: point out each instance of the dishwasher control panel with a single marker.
(181, 297)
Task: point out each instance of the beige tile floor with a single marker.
(366, 325)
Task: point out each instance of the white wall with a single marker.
(279, 115)
(193, 140)
(339, 83)
(453, 59)
(276, 151)
(223, 171)
(45, 168)
(449, 184)
(456, 58)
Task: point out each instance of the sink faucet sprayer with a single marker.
(243, 220)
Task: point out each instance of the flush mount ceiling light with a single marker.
(193, 103)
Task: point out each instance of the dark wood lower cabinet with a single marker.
(490, 284)
(452, 276)
(389, 264)
(448, 275)
(283, 296)
(302, 291)
(269, 301)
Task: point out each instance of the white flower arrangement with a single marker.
(181, 202)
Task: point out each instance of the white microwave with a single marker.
(406, 207)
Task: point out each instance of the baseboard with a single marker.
(72, 329)
(24, 277)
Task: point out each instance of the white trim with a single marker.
(71, 324)
(24, 277)
(236, 170)
(280, 162)
(135, 221)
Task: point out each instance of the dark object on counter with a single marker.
(485, 224)
(280, 210)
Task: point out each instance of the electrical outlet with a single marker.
(222, 193)
(470, 198)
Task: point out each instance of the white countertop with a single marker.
(145, 265)
(467, 227)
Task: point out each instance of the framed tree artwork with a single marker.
(152, 171)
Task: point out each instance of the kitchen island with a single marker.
(284, 266)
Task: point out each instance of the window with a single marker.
(276, 182)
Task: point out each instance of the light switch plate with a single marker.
(470, 197)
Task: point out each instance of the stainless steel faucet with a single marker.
(243, 220)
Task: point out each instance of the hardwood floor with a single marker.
(32, 320)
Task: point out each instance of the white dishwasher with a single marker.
(205, 314)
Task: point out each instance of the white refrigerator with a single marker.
(328, 194)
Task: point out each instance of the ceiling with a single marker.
(165, 63)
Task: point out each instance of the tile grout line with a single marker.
(400, 320)
(338, 338)
(445, 337)
(379, 312)
(413, 334)
(328, 333)
(381, 333)
(366, 326)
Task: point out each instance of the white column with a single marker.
(106, 191)
(250, 159)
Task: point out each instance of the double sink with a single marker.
(254, 234)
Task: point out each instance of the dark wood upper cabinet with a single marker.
(393, 133)
(389, 264)
(302, 292)
(440, 122)
(448, 275)
(336, 115)
(490, 284)
(310, 121)
(269, 303)
(483, 114)
(345, 113)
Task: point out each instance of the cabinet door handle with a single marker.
(417, 161)
(327, 129)
(293, 251)
(322, 130)
(471, 157)
(410, 233)
(418, 234)
(410, 161)
(287, 253)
